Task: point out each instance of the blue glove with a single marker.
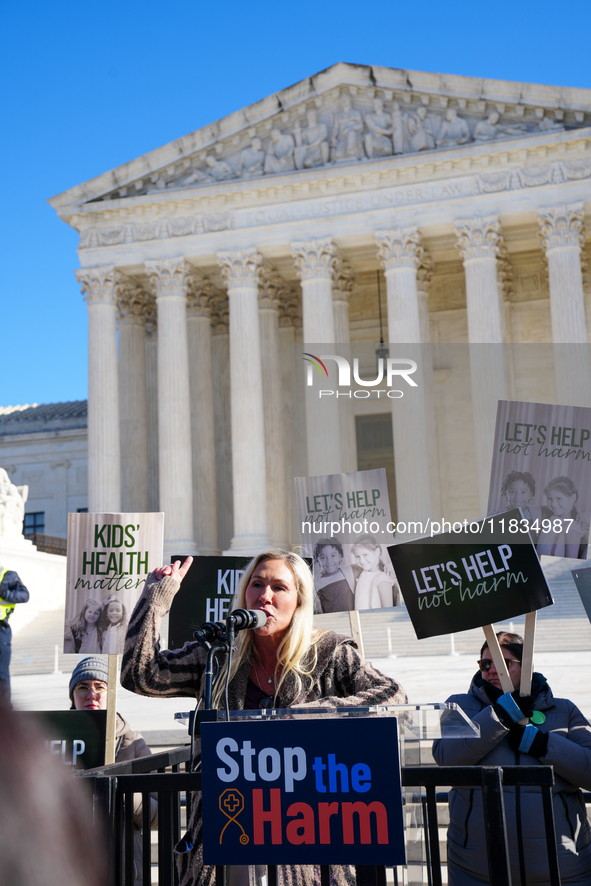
(529, 740)
(511, 708)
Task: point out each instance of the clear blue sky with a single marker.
(88, 86)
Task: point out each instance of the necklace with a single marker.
(269, 679)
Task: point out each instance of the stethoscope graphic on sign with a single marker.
(232, 804)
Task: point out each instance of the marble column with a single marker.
(151, 350)
(400, 253)
(343, 283)
(479, 241)
(240, 270)
(168, 277)
(424, 277)
(271, 292)
(132, 396)
(104, 459)
(314, 261)
(294, 416)
(561, 232)
(199, 303)
(220, 344)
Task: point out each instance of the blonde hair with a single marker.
(301, 637)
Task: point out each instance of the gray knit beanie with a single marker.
(91, 668)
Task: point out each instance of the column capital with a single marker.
(505, 271)
(561, 226)
(314, 258)
(241, 267)
(98, 285)
(478, 237)
(272, 290)
(399, 248)
(168, 277)
(201, 294)
(344, 281)
(425, 272)
(132, 300)
(220, 313)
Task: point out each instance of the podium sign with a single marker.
(302, 792)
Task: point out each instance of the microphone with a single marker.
(248, 619)
(210, 630)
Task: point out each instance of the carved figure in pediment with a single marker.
(280, 156)
(454, 130)
(487, 130)
(312, 143)
(378, 141)
(252, 159)
(397, 129)
(420, 128)
(218, 169)
(194, 178)
(346, 135)
(548, 125)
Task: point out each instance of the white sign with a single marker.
(109, 558)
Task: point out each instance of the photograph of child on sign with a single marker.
(353, 576)
(540, 464)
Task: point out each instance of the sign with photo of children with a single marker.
(344, 522)
(542, 464)
(109, 557)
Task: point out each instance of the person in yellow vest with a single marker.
(12, 591)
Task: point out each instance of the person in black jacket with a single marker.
(12, 591)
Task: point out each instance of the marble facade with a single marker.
(210, 256)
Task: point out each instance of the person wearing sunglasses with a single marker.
(533, 730)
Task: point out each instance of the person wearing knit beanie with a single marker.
(91, 670)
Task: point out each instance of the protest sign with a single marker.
(462, 580)
(298, 792)
(205, 594)
(109, 557)
(345, 528)
(542, 464)
(77, 738)
(582, 578)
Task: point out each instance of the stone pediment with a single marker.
(345, 116)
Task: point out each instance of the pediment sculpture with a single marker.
(344, 131)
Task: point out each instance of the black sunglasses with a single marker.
(485, 664)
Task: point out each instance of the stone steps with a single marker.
(565, 624)
(562, 626)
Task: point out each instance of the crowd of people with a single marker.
(288, 662)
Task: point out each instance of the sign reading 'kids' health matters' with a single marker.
(297, 792)
(488, 572)
(109, 557)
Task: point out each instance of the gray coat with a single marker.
(341, 677)
(569, 752)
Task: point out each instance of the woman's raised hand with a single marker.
(175, 570)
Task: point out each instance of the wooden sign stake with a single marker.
(113, 677)
(527, 665)
(498, 658)
(355, 623)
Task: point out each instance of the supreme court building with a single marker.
(206, 262)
